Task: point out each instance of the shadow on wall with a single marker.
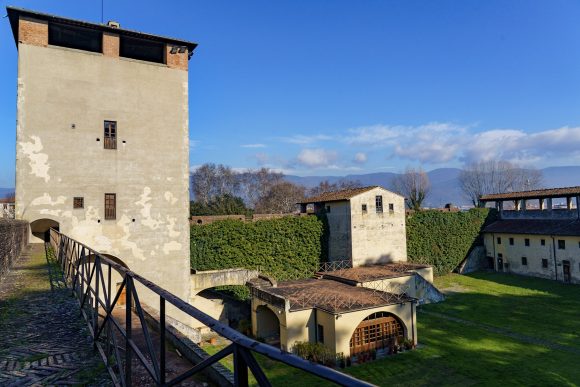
(40, 228)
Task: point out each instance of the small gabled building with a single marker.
(537, 234)
(365, 225)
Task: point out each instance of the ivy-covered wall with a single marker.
(285, 248)
(292, 247)
(443, 239)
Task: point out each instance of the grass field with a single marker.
(493, 329)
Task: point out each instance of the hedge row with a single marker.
(292, 247)
(285, 248)
(443, 239)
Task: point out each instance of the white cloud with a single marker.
(253, 145)
(360, 158)
(301, 139)
(317, 158)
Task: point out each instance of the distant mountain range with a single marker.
(444, 182)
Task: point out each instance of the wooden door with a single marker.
(375, 333)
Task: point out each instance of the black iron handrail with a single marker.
(83, 271)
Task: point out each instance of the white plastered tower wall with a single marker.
(378, 237)
(64, 97)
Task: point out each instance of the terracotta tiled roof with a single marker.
(331, 296)
(534, 194)
(535, 227)
(374, 272)
(334, 196)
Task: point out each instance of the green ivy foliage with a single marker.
(443, 239)
(285, 248)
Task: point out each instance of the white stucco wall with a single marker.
(378, 237)
(59, 87)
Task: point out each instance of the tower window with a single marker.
(110, 135)
(78, 202)
(75, 37)
(142, 49)
(110, 206)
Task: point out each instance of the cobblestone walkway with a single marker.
(43, 339)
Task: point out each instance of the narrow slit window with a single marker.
(78, 202)
(364, 208)
(110, 206)
(110, 135)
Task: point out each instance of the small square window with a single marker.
(364, 208)
(391, 207)
(511, 241)
(498, 240)
(544, 263)
(524, 261)
(78, 202)
(527, 242)
(561, 244)
(543, 242)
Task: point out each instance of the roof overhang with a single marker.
(15, 13)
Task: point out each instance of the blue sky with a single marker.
(335, 87)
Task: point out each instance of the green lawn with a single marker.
(455, 353)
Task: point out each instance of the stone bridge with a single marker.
(201, 280)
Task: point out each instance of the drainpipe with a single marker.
(555, 261)
(494, 256)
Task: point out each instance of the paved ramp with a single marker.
(43, 339)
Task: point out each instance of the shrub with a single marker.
(315, 352)
(285, 248)
(443, 239)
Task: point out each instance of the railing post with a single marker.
(240, 368)
(128, 302)
(162, 340)
(97, 285)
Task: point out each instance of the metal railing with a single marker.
(335, 265)
(89, 274)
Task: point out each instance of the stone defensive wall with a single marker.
(13, 239)
(207, 219)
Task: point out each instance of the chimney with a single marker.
(113, 24)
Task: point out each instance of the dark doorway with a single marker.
(566, 270)
(499, 262)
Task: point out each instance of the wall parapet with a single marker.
(13, 239)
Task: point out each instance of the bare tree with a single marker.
(414, 186)
(490, 177)
(325, 186)
(211, 180)
(255, 184)
(281, 199)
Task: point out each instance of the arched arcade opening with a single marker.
(267, 325)
(40, 229)
(379, 330)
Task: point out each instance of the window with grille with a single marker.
(110, 206)
(561, 244)
(391, 207)
(110, 141)
(364, 208)
(379, 203)
(78, 202)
